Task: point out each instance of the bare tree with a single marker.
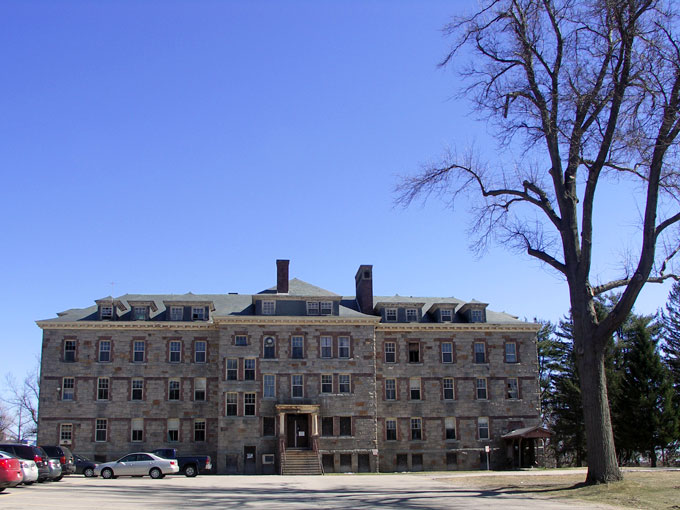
(23, 400)
(590, 92)
(6, 423)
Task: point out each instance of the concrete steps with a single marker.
(301, 462)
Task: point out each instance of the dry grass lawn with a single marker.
(648, 490)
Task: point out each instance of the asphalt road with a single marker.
(402, 491)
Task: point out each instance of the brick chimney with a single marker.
(364, 288)
(282, 276)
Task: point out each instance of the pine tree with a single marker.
(645, 416)
(670, 319)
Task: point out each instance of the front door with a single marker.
(249, 460)
(298, 430)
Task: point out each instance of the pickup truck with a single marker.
(189, 465)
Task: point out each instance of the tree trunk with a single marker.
(652, 456)
(601, 454)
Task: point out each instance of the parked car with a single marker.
(64, 455)
(29, 470)
(84, 466)
(28, 452)
(10, 471)
(138, 464)
(190, 465)
(55, 470)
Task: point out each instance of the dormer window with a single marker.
(326, 307)
(476, 316)
(198, 313)
(268, 307)
(391, 314)
(106, 312)
(446, 315)
(312, 308)
(411, 315)
(140, 313)
(176, 313)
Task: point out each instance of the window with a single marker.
(414, 352)
(391, 314)
(326, 347)
(416, 429)
(269, 386)
(511, 352)
(447, 352)
(69, 350)
(200, 351)
(268, 307)
(241, 340)
(414, 386)
(312, 308)
(137, 429)
(249, 369)
(446, 315)
(411, 315)
(138, 348)
(199, 389)
(199, 430)
(270, 347)
(103, 388)
(198, 313)
(66, 433)
(390, 352)
(232, 404)
(449, 393)
(326, 383)
(480, 352)
(175, 351)
(450, 427)
(483, 427)
(390, 389)
(296, 386)
(104, 351)
(100, 428)
(345, 426)
(176, 313)
(343, 347)
(139, 313)
(481, 389)
(268, 426)
(476, 316)
(513, 389)
(68, 388)
(137, 389)
(344, 385)
(107, 312)
(391, 429)
(297, 347)
(173, 430)
(173, 389)
(327, 426)
(326, 307)
(232, 369)
(249, 404)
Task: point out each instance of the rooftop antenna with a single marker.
(112, 284)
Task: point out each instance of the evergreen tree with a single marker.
(645, 416)
(670, 319)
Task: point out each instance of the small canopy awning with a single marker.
(536, 432)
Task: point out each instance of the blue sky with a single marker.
(175, 146)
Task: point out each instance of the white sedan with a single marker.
(138, 464)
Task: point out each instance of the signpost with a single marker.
(487, 449)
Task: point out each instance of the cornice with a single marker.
(271, 320)
(125, 325)
(405, 327)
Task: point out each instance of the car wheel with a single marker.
(58, 478)
(107, 473)
(88, 472)
(155, 473)
(29, 483)
(190, 471)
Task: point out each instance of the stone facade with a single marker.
(369, 383)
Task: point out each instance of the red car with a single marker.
(10, 471)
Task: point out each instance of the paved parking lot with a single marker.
(404, 492)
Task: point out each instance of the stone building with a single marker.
(292, 379)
